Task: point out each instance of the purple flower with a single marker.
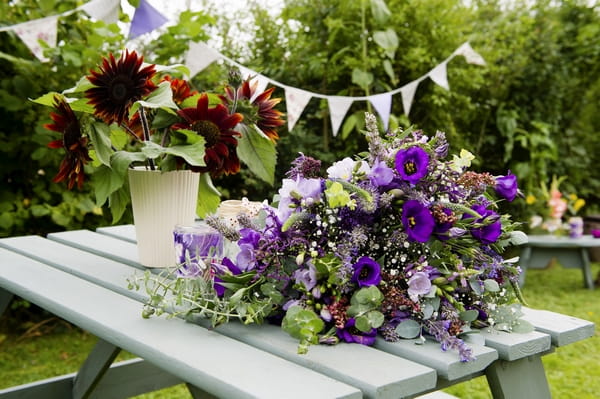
(352, 334)
(228, 267)
(506, 186)
(417, 220)
(412, 163)
(367, 272)
(381, 174)
(309, 190)
(306, 277)
(489, 229)
(418, 285)
(246, 258)
(196, 242)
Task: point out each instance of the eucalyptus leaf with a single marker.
(469, 315)
(522, 327)
(491, 285)
(362, 324)
(380, 11)
(408, 329)
(518, 238)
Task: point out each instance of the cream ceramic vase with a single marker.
(160, 201)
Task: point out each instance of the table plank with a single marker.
(563, 329)
(220, 365)
(387, 376)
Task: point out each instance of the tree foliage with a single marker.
(532, 109)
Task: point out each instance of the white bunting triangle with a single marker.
(383, 104)
(39, 29)
(471, 56)
(199, 56)
(295, 102)
(439, 75)
(338, 106)
(408, 94)
(103, 10)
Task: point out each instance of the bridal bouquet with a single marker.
(401, 241)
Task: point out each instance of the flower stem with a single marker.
(146, 131)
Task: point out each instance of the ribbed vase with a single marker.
(160, 201)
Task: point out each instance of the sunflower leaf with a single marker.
(258, 152)
(208, 196)
(162, 97)
(99, 134)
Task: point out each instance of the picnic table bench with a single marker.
(81, 276)
(569, 252)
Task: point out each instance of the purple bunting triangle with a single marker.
(145, 19)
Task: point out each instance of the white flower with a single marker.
(344, 169)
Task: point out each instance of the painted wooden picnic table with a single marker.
(569, 252)
(82, 275)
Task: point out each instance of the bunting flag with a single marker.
(338, 107)
(145, 19)
(39, 29)
(439, 75)
(383, 104)
(103, 10)
(470, 55)
(295, 101)
(199, 56)
(408, 94)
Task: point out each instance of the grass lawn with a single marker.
(41, 346)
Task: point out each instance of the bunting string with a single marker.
(199, 56)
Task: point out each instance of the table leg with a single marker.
(198, 393)
(5, 298)
(519, 379)
(93, 369)
(586, 269)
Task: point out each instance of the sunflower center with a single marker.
(120, 88)
(208, 130)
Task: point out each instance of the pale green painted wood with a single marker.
(513, 346)
(122, 380)
(570, 252)
(125, 232)
(447, 364)
(563, 329)
(520, 379)
(387, 375)
(93, 369)
(220, 365)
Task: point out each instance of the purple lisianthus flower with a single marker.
(412, 163)
(367, 272)
(307, 277)
(246, 258)
(352, 334)
(227, 266)
(506, 186)
(490, 229)
(381, 174)
(441, 228)
(419, 284)
(309, 190)
(417, 220)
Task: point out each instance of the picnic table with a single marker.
(81, 276)
(569, 252)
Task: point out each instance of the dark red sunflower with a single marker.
(74, 143)
(181, 89)
(260, 111)
(118, 85)
(216, 125)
